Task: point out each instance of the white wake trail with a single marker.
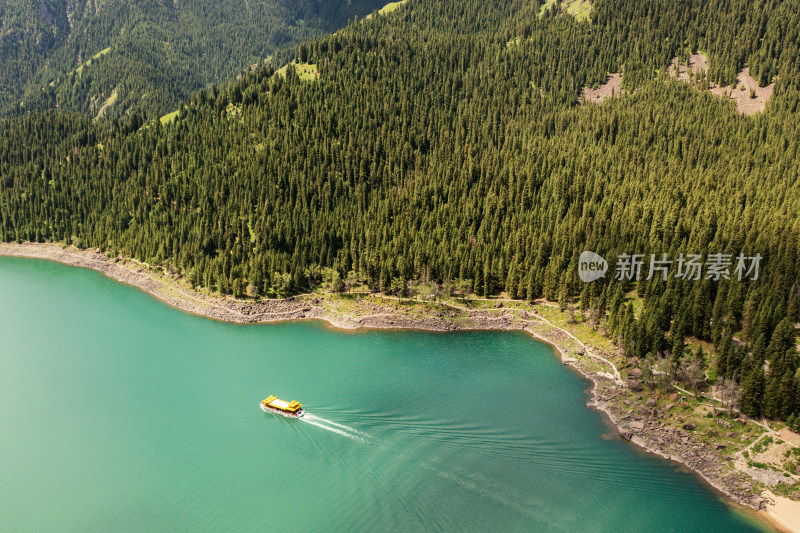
(332, 423)
(331, 428)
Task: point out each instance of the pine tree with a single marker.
(753, 392)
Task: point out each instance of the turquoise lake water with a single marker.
(119, 413)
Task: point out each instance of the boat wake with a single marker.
(335, 427)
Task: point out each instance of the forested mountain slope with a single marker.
(148, 55)
(445, 142)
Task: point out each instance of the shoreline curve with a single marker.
(781, 513)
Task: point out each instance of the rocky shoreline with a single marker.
(640, 425)
(636, 419)
(643, 429)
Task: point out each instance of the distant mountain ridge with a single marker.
(108, 58)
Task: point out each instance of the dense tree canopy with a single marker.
(445, 141)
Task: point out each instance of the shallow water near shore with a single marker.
(119, 413)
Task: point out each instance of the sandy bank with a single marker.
(783, 513)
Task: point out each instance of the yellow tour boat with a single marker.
(279, 407)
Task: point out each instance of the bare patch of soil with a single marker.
(791, 438)
(749, 97)
(612, 87)
(746, 93)
(698, 64)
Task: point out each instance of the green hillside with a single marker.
(151, 54)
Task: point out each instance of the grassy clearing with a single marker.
(234, 111)
(305, 71)
(580, 9)
(581, 328)
(169, 118)
(98, 55)
(111, 100)
(547, 5)
(389, 8)
(637, 303)
(101, 53)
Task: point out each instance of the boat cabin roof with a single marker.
(272, 401)
(280, 404)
